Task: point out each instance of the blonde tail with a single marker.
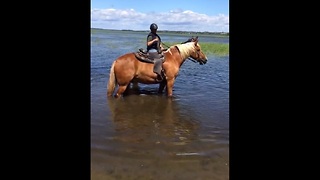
(112, 81)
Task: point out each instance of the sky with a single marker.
(172, 15)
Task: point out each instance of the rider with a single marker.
(154, 48)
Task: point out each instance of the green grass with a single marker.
(218, 49)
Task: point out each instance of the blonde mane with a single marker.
(186, 49)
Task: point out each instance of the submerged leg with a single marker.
(135, 85)
(127, 90)
(161, 87)
(120, 90)
(170, 87)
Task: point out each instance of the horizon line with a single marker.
(224, 32)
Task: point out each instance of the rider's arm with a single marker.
(150, 41)
(161, 47)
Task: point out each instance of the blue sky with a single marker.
(174, 15)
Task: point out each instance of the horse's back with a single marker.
(125, 61)
(129, 60)
(126, 57)
(128, 64)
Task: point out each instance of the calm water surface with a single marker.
(149, 136)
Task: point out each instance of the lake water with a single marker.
(150, 136)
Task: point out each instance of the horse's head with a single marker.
(197, 54)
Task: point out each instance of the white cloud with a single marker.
(175, 20)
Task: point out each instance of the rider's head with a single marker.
(153, 27)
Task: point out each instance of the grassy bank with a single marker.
(218, 49)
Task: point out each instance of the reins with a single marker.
(192, 60)
(165, 45)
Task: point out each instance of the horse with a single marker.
(128, 69)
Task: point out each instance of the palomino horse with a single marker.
(128, 69)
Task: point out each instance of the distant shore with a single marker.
(225, 34)
(219, 49)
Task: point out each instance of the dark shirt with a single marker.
(154, 45)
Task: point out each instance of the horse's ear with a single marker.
(196, 40)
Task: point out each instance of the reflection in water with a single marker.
(155, 137)
(151, 119)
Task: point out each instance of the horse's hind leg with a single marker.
(135, 85)
(132, 88)
(120, 90)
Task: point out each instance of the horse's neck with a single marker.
(175, 55)
(185, 50)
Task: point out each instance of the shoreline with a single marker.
(220, 34)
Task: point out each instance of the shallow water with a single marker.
(149, 136)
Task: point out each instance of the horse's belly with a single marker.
(144, 80)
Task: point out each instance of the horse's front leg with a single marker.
(170, 87)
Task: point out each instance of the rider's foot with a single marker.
(159, 78)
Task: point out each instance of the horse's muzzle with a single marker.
(203, 61)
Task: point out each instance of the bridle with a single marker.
(197, 57)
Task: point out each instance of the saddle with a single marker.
(143, 56)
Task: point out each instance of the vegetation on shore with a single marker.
(218, 49)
